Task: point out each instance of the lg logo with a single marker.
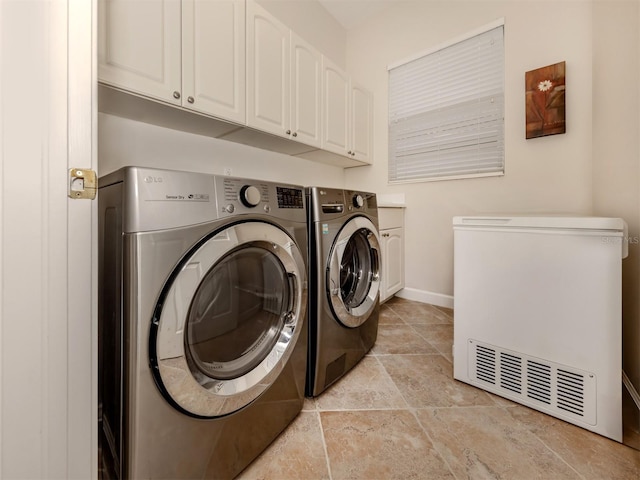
(151, 179)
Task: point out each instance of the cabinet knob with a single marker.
(295, 134)
(176, 95)
(288, 132)
(190, 99)
(349, 152)
(353, 154)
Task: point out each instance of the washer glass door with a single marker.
(353, 277)
(228, 319)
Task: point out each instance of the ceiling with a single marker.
(351, 13)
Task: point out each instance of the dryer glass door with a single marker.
(353, 277)
(229, 320)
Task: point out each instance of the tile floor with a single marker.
(400, 415)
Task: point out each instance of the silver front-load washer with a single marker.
(344, 282)
(202, 320)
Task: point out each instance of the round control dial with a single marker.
(250, 196)
(358, 201)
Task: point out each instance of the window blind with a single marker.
(446, 112)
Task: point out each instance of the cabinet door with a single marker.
(139, 47)
(361, 123)
(392, 262)
(213, 57)
(267, 72)
(306, 92)
(336, 108)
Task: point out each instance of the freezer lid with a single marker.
(610, 225)
(543, 222)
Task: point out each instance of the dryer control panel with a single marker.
(243, 196)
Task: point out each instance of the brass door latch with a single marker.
(82, 183)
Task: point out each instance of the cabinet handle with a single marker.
(288, 132)
(295, 134)
(190, 99)
(176, 95)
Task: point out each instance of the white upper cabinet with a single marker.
(361, 123)
(236, 64)
(213, 57)
(306, 92)
(139, 47)
(347, 115)
(336, 108)
(268, 72)
(284, 82)
(189, 53)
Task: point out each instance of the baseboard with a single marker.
(424, 296)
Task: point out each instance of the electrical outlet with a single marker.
(227, 171)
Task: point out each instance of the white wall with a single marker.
(616, 148)
(550, 174)
(126, 142)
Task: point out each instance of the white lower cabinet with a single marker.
(391, 225)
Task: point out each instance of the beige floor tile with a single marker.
(439, 336)
(400, 339)
(420, 313)
(485, 443)
(448, 311)
(427, 381)
(380, 445)
(366, 386)
(387, 315)
(298, 453)
(397, 300)
(593, 456)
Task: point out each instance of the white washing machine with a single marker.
(202, 330)
(344, 282)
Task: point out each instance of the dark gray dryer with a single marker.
(344, 282)
(202, 332)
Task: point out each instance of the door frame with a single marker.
(48, 247)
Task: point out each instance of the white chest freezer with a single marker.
(538, 314)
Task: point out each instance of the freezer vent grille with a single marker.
(571, 392)
(511, 372)
(539, 382)
(548, 386)
(486, 364)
